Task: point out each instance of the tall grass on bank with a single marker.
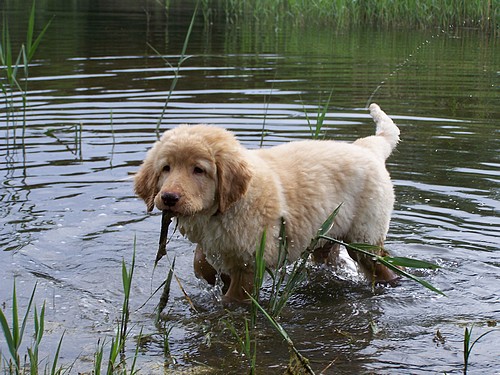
(349, 13)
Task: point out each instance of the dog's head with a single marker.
(193, 169)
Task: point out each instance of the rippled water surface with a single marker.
(95, 94)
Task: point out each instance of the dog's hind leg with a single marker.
(373, 270)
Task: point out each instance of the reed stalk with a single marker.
(320, 118)
(181, 61)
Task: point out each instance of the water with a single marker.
(95, 94)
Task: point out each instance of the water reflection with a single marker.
(95, 95)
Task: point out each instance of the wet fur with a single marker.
(228, 195)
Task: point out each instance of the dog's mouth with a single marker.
(174, 211)
(170, 211)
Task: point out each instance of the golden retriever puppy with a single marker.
(223, 195)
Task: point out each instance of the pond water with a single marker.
(95, 93)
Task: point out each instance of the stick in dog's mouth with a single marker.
(166, 219)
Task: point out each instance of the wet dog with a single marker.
(224, 196)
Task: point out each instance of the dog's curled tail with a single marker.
(386, 135)
(385, 126)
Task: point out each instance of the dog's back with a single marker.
(316, 176)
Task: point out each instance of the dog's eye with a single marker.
(166, 168)
(198, 170)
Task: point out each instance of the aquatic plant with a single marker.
(246, 341)
(468, 345)
(183, 57)
(116, 357)
(14, 335)
(15, 332)
(285, 282)
(11, 65)
(320, 118)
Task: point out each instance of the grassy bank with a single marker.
(351, 13)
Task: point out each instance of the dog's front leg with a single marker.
(204, 270)
(241, 280)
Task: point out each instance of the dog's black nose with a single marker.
(170, 199)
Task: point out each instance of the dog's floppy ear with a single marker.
(233, 174)
(146, 183)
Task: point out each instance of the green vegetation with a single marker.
(349, 13)
(182, 59)
(468, 345)
(15, 332)
(285, 283)
(15, 68)
(14, 335)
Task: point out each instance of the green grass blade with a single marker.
(321, 116)
(409, 276)
(136, 355)
(182, 59)
(328, 224)
(16, 334)
(467, 348)
(278, 276)
(467, 335)
(114, 353)
(260, 264)
(392, 265)
(32, 48)
(271, 320)
(31, 45)
(367, 248)
(325, 227)
(54, 370)
(242, 343)
(31, 25)
(411, 263)
(7, 334)
(6, 54)
(98, 356)
(284, 335)
(190, 29)
(39, 324)
(125, 276)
